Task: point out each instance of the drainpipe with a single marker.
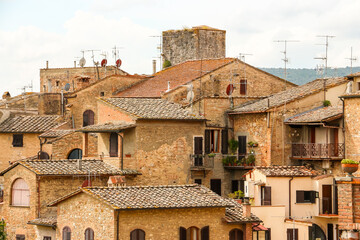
(290, 196)
(41, 145)
(117, 224)
(122, 151)
(38, 195)
(343, 125)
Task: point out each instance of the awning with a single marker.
(258, 227)
(107, 127)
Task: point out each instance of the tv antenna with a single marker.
(159, 48)
(242, 58)
(351, 59)
(82, 60)
(325, 59)
(285, 59)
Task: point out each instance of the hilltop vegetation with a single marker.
(303, 75)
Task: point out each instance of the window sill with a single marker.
(19, 206)
(306, 203)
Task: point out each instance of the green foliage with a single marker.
(211, 155)
(349, 161)
(233, 145)
(166, 64)
(326, 103)
(252, 144)
(2, 229)
(229, 160)
(236, 195)
(251, 159)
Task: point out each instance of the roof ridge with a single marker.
(145, 186)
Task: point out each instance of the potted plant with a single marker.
(211, 155)
(349, 166)
(253, 144)
(233, 145)
(232, 160)
(237, 195)
(225, 161)
(242, 162)
(251, 160)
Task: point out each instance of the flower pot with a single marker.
(239, 200)
(349, 168)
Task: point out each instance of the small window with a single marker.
(88, 118)
(137, 234)
(20, 193)
(66, 233)
(305, 196)
(102, 94)
(47, 238)
(215, 185)
(358, 86)
(17, 140)
(243, 87)
(265, 195)
(114, 145)
(89, 234)
(198, 181)
(236, 234)
(192, 233)
(20, 237)
(75, 154)
(242, 145)
(57, 83)
(292, 234)
(212, 141)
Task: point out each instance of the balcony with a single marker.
(328, 208)
(318, 151)
(201, 162)
(238, 162)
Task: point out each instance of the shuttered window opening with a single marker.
(212, 141)
(137, 234)
(20, 195)
(88, 118)
(89, 234)
(305, 196)
(47, 238)
(224, 141)
(17, 140)
(193, 233)
(236, 234)
(243, 87)
(198, 151)
(292, 234)
(242, 145)
(114, 145)
(66, 233)
(265, 195)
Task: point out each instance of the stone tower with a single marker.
(201, 42)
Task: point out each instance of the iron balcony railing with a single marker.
(199, 161)
(318, 150)
(328, 206)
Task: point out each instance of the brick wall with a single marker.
(64, 145)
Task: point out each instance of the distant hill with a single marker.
(301, 76)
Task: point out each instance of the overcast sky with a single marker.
(33, 31)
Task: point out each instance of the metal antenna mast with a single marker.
(351, 59)
(159, 47)
(242, 58)
(326, 51)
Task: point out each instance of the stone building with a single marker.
(29, 185)
(53, 80)
(294, 202)
(201, 42)
(296, 116)
(176, 212)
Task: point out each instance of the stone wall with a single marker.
(50, 104)
(352, 131)
(190, 44)
(59, 77)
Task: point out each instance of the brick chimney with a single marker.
(154, 66)
(116, 181)
(246, 208)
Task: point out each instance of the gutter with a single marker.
(122, 150)
(292, 178)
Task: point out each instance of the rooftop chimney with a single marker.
(75, 64)
(154, 66)
(116, 181)
(246, 208)
(47, 64)
(79, 164)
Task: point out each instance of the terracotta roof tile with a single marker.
(107, 127)
(29, 124)
(55, 133)
(70, 167)
(317, 115)
(152, 108)
(287, 171)
(48, 221)
(177, 75)
(235, 214)
(291, 94)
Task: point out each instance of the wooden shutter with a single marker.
(224, 141)
(205, 235)
(299, 196)
(243, 89)
(198, 145)
(114, 144)
(182, 233)
(207, 141)
(242, 145)
(88, 118)
(313, 196)
(266, 195)
(290, 234)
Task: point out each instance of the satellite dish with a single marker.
(67, 87)
(229, 89)
(82, 62)
(103, 62)
(118, 63)
(190, 96)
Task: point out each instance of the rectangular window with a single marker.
(242, 145)
(292, 234)
(47, 238)
(305, 196)
(358, 86)
(224, 141)
(212, 141)
(20, 237)
(198, 151)
(198, 181)
(17, 140)
(265, 195)
(243, 86)
(215, 186)
(237, 185)
(102, 94)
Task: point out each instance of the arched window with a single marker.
(75, 154)
(137, 234)
(236, 234)
(89, 234)
(44, 155)
(66, 233)
(114, 145)
(88, 118)
(20, 193)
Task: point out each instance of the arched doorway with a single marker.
(75, 154)
(236, 234)
(316, 232)
(88, 118)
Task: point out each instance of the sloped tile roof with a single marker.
(317, 115)
(55, 133)
(287, 171)
(70, 167)
(107, 127)
(45, 221)
(155, 197)
(29, 123)
(177, 75)
(152, 108)
(291, 94)
(235, 214)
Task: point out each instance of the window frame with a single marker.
(66, 230)
(265, 191)
(300, 196)
(89, 234)
(88, 118)
(137, 232)
(18, 140)
(15, 202)
(211, 145)
(243, 87)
